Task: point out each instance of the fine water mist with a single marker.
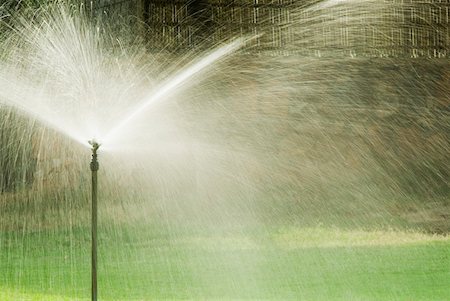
(222, 167)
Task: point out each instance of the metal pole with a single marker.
(94, 169)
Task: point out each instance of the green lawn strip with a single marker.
(137, 265)
(11, 295)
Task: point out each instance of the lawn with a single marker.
(285, 263)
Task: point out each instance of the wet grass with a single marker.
(280, 264)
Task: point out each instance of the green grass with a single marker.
(279, 264)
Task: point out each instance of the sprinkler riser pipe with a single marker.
(94, 236)
(94, 168)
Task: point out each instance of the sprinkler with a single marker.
(94, 168)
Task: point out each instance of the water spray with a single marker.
(94, 168)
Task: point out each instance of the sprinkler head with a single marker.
(95, 145)
(94, 162)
